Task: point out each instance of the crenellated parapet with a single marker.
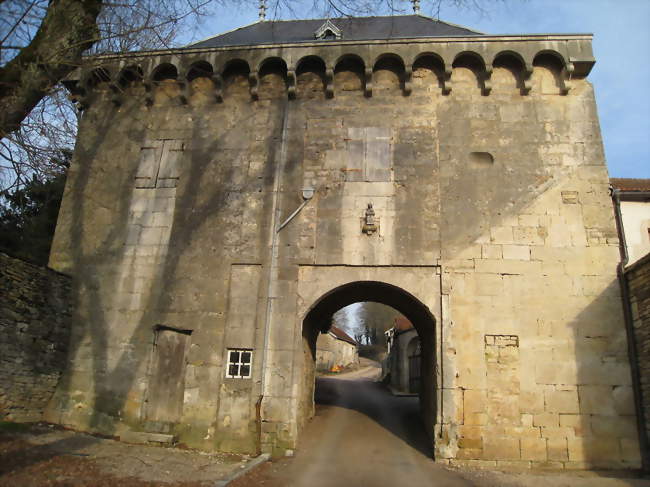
(570, 56)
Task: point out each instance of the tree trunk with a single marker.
(68, 29)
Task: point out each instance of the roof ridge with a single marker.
(451, 24)
(354, 28)
(350, 17)
(347, 338)
(224, 33)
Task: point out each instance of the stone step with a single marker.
(143, 437)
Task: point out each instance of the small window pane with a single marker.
(232, 370)
(239, 364)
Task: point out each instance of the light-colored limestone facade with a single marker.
(631, 198)
(335, 349)
(200, 290)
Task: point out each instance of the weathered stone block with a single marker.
(471, 443)
(474, 401)
(623, 398)
(581, 423)
(501, 235)
(614, 426)
(597, 450)
(562, 401)
(556, 373)
(533, 449)
(491, 251)
(630, 451)
(516, 252)
(476, 418)
(557, 449)
(596, 400)
(142, 437)
(531, 402)
(501, 449)
(557, 432)
(546, 419)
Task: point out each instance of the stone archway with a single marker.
(318, 319)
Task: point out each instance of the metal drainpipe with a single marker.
(629, 329)
(273, 237)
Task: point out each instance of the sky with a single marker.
(621, 47)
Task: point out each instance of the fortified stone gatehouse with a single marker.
(227, 198)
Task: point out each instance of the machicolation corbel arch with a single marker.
(568, 56)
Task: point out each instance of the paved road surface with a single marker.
(363, 436)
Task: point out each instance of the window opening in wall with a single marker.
(481, 159)
(239, 364)
(159, 165)
(369, 154)
(328, 31)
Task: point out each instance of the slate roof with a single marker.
(352, 29)
(341, 335)
(630, 184)
(402, 324)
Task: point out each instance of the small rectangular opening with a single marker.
(240, 363)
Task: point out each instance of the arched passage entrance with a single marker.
(319, 318)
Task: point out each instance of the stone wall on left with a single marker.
(35, 311)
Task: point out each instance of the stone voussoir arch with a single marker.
(318, 318)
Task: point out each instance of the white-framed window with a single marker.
(240, 363)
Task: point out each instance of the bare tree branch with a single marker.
(43, 41)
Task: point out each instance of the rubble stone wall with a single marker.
(638, 280)
(34, 332)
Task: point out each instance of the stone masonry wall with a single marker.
(331, 352)
(638, 279)
(34, 331)
(492, 212)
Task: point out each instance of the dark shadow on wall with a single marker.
(477, 198)
(606, 434)
(91, 268)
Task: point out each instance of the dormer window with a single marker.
(328, 32)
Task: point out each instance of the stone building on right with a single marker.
(632, 206)
(631, 200)
(401, 367)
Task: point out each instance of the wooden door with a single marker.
(415, 364)
(167, 380)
